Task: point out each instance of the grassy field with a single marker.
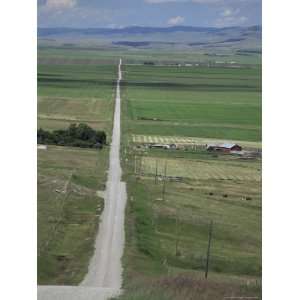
(75, 93)
(90, 52)
(195, 102)
(168, 221)
(69, 179)
(68, 211)
(188, 141)
(201, 169)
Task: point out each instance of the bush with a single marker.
(77, 135)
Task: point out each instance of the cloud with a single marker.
(227, 12)
(230, 17)
(164, 1)
(185, 1)
(200, 1)
(176, 20)
(231, 21)
(60, 4)
(206, 1)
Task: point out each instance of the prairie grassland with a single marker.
(68, 211)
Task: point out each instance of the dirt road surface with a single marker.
(104, 277)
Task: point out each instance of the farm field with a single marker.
(219, 103)
(71, 180)
(169, 215)
(91, 52)
(75, 93)
(168, 224)
(181, 140)
(201, 169)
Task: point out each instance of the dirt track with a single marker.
(104, 278)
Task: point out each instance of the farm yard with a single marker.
(175, 193)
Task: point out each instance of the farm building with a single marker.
(223, 147)
(162, 146)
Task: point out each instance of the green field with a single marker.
(75, 93)
(92, 51)
(192, 101)
(201, 169)
(69, 179)
(168, 220)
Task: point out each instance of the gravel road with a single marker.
(104, 277)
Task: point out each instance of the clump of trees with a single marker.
(77, 135)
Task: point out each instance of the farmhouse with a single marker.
(226, 147)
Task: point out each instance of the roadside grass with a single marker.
(68, 211)
(190, 287)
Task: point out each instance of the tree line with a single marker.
(77, 135)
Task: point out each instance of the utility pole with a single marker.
(208, 248)
(156, 167)
(141, 162)
(164, 183)
(177, 233)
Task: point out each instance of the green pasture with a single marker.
(167, 221)
(193, 101)
(201, 169)
(75, 93)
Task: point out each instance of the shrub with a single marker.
(77, 135)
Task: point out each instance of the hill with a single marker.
(181, 37)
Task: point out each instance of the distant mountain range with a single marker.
(208, 39)
(45, 32)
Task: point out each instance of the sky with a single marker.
(156, 13)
